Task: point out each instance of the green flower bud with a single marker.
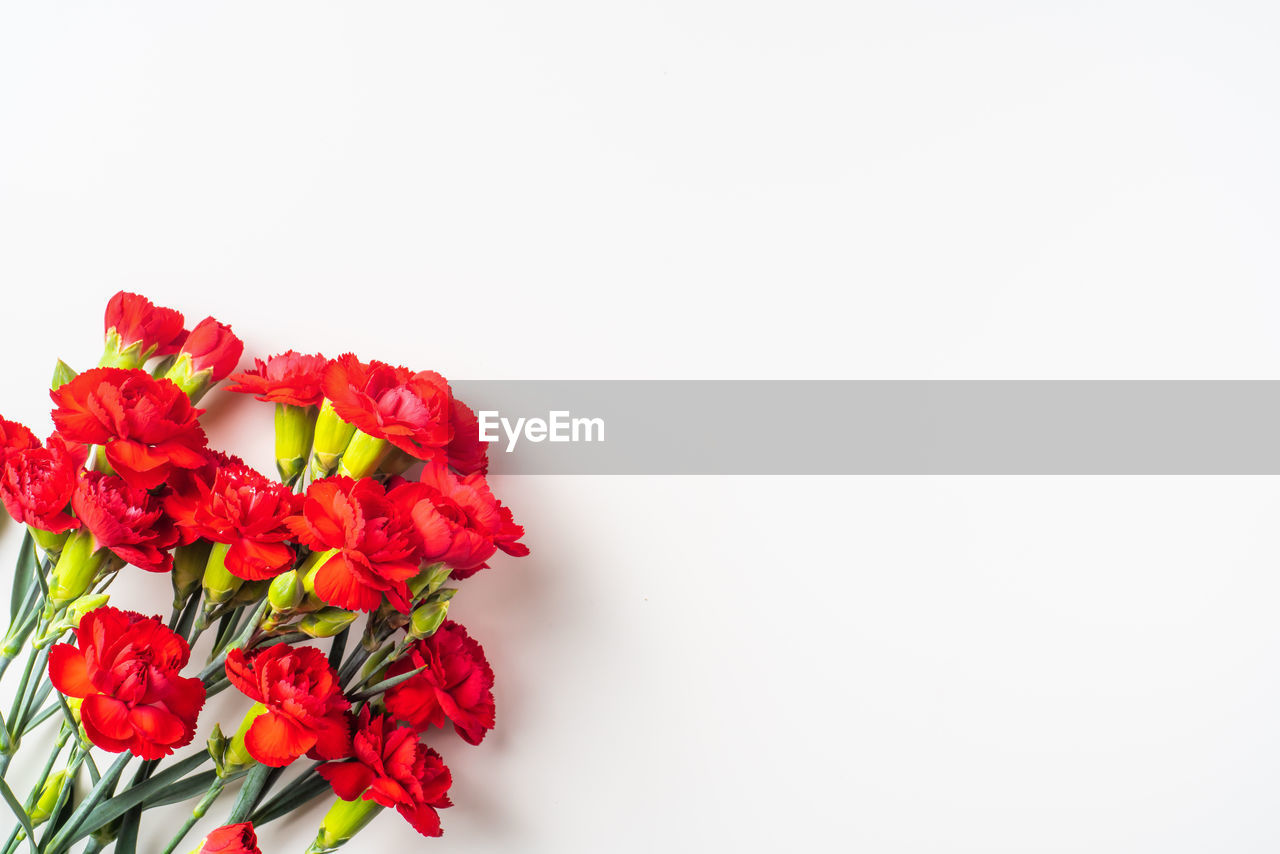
(343, 821)
(78, 566)
(84, 605)
(48, 799)
(326, 622)
(237, 755)
(189, 563)
(331, 439)
(427, 618)
(218, 744)
(428, 581)
(219, 584)
(62, 374)
(363, 455)
(286, 591)
(295, 430)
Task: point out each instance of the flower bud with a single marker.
(331, 439)
(326, 622)
(427, 618)
(295, 430)
(209, 353)
(219, 584)
(286, 591)
(428, 581)
(218, 744)
(84, 605)
(189, 563)
(236, 754)
(343, 821)
(48, 800)
(363, 455)
(62, 374)
(77, 568)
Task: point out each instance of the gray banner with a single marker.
(885, 427)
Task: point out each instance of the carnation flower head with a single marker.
(125, 519)
(147, 427)
(409, 410)
(305, 711)
(137, 329)
(373, 539)
(390, 767)
(126, 669)
(456, 686)
(292, 378)
(37, 483)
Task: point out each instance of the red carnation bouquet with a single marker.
(325, 592)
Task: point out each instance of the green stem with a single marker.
(67, 836)
(196, 814)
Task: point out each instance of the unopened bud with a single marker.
(286, 591)
(48, 800)
(251, 592)
(326, 622)
(427, 618)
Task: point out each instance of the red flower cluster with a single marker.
(125, 668)
(391, 767)
(305, 709)
(147, 427)
(456, 686)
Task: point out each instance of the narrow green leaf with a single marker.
(20, 812)
(22, 575)
(164, 788)
(298, 793)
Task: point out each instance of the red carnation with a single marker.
(377, 543)
(15, 437)
(148, 426)
(292, 378)
(126, 669)
(186, 488)
(411, 411)
(232, 839)
(246, 510)
(212, 347)
(127, 520)
(136, 320)
(37, 485)
(460, 521)
(456, 687)
(467, 453)
(392, 768)
(306, 712)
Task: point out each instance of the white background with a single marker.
(734, 190)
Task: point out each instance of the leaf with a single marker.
(22, 575)
(20, 812)
(167, 787)
(297, 794)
